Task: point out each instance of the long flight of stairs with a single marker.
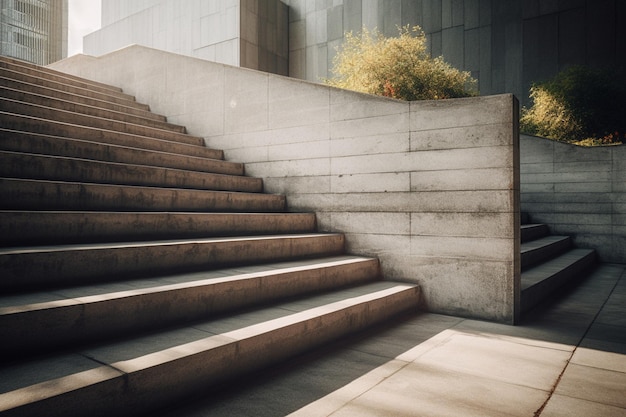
(138, 266)
(548, 263)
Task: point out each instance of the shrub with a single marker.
(399, 68)
(579, 104)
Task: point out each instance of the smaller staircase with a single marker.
(548, 262)
(138, 267)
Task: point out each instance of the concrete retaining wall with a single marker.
(431, 188)
(577, 191)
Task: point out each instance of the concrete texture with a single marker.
(557, 362)
(245, 33)
(577, 191)
(506, 45)
(384, 172)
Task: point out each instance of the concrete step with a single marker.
(17, 122)
(141, 375)
(543, 249)
(16, 141)
(22, 194)
(82, 90)
(47, 74)
(539, 282)
(524, 218)
(41, 321)
(49, 266)
(533, 231)
(55, 168)
(22, 228)
(76, 97)
(84, 109)
(47, 113)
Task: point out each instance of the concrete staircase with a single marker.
(137, 267)
(548, 262)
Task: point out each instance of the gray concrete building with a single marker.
(34, 30)
(506, 44)
(245, 33)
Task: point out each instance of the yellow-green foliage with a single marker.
(579, 105)
(399, 68)
(549, 117)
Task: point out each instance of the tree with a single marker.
(398, 67)
(578, 104)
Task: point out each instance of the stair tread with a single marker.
(72, 195)
(64, 84)
(86, 109)
(42, 112)
(39, 166)
(23, 227)
(33, 125)
(142, 244)
(40, 300)
(49, 145)
(545, 270)
(135, 108)
(145, 351)
(35, 71)
(532, 225)
(542, 242)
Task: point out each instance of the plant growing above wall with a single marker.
(580, 105)
(399, 67)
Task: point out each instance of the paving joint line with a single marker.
(567, 363)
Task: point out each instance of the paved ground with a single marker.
(568, 358)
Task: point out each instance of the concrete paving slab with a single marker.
(497, 359)
(599, 359)
(562, 406)
(428, 364)
(425, 390)
(531, 333)
(593, 384)
(608, 333)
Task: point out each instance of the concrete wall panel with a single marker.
(440, 213)
(576, 191)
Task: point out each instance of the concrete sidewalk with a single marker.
(566, 359)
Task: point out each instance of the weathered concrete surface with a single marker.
(577, 191)
(431, 188)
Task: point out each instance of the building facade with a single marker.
(506, 44)
(246, 33)
(34, 30)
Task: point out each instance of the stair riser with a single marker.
(31, 166)
(78, 99)
(57, 326)
(54, 76)
(150, 382)
(532, 233)
(532, 296)
(36, 228)
(25, 269)
(46, 113)
(68, 106)
(542, 254)
(73, 148)
(109, 96)
(48, 127)
(47, 195)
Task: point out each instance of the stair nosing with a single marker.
(79, 108)
(121, 126)
(198, 179)
(139, 107)
(206, 345)
(108, 148)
